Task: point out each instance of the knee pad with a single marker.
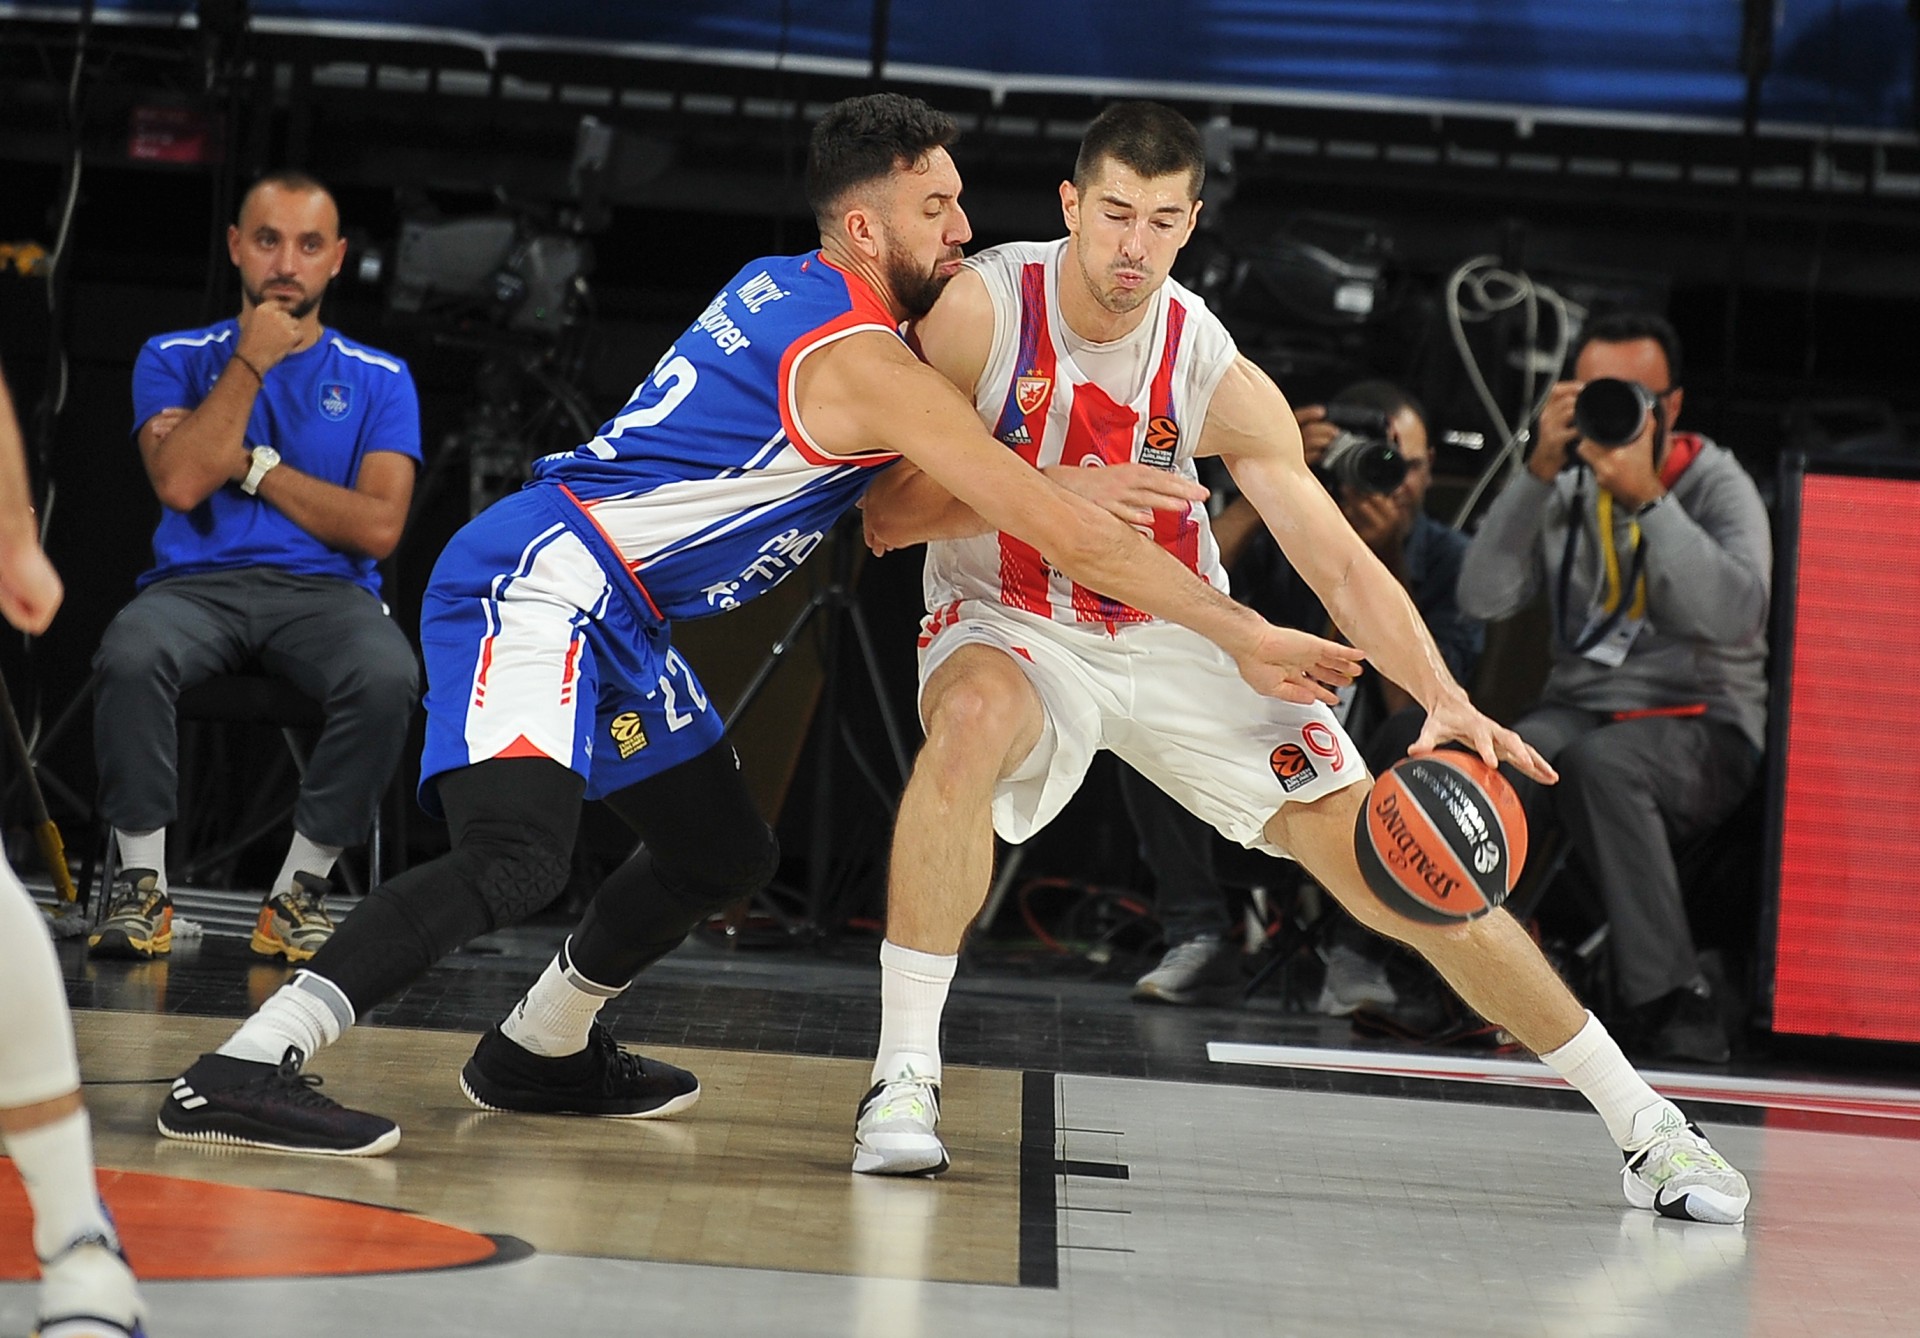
(515, 876)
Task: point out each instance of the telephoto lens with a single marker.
(1363, 457)
(1612, 413)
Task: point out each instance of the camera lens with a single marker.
(1365, 464)
(1612, 413)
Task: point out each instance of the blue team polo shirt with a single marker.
(323, 409)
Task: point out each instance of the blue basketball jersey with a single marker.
(323, 408)
(706, 483)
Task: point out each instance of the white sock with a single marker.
(1592, 1062)
(553, 1017)
(305, 856)
(308, 1013)
(144, 850)
(55, 1163)
(913, 994)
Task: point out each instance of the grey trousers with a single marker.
(328, 637)
(1628, 791)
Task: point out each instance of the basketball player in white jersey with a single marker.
(1083, 352)
(86, 1288)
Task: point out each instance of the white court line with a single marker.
(1895, 1103)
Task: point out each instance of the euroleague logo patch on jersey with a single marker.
(1030, 392)
(1292, 767)
(1162, 443)
(629, 735)
(336, 400)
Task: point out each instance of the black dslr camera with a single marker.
(1363, 457)
(1612, 413)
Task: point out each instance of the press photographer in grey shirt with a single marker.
(1655, 554)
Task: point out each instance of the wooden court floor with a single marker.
(1240, 1199)
(754, 1176)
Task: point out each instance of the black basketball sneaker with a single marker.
(242, 1103)
(601, 1080)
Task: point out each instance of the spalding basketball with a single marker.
(1442, 838)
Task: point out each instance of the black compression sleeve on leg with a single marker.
(706, 847)
(512, 821)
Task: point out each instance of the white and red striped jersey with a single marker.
(1040, 402)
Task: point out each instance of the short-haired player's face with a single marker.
(923, 229)
(1127, 229)
(287, 247)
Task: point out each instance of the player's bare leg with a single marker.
(1501, 974)
(983, 717)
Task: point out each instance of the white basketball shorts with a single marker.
(1163, 699)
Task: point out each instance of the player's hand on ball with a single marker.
(1455, 718)
(1297, 666)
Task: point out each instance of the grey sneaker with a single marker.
(1353, 982)
(893, 1133)
(1673, 1170)
(1201, 970)
(138, 922)
(294, 924)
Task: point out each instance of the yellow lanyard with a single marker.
(1603, 513)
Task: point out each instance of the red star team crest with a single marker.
(1030, 392)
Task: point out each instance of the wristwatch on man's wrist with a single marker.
(263, 458)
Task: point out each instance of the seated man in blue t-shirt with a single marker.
(284, 457)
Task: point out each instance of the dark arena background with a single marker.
(538, 199)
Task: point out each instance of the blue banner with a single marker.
(1836, 62)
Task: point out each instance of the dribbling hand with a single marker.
(1456, 718)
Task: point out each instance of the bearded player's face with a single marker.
(924, 230)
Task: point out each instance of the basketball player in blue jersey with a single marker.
(552, 676)
(1085, 352)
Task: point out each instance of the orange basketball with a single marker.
(1442, 838)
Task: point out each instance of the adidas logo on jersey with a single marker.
(1017, 437)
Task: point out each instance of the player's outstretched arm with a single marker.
(906, 506)
(868, 393)
(1250, 425)
(30, 590)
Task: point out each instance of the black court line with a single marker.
(1039, 1181)
(1105, 1170)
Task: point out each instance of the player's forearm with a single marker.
(343, 518)
(905, 506)
(16, 505)
(1375, 612)
(207, 449)
(1123, 564)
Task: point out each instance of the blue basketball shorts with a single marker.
(540, 643)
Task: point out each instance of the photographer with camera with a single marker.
(1369, 445)
(1654, 550)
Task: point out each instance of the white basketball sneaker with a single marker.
(893, 1134)
(1672, 1169)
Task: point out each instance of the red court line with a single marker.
(189, 1230)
